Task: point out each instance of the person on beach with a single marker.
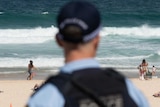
(141, 73)
(31, 67)
(156, 94)
(153, 70)
(81, 82)
(36, 87)
(144, 66)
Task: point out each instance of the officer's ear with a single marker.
(96, 41)
(59, 41)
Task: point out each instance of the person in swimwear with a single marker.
(30, 70)
(144, 66)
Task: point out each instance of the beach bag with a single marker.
(93, 87)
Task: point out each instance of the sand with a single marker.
(148, 88)
(16, 92)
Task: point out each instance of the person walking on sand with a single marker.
(31, 67)
(144, 66)
(81, 82)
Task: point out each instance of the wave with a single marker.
(9, 54)
(45, 13)
(144, 31)
(1, 12)
(40, 34)
(156, 55)
(38, 62)
(58, 61)
(125, 57)
(158, 52)
(151, 56)
(25, 36)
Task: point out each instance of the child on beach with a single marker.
(141, 76)
(153, 70)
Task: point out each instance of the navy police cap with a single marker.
(78, 21)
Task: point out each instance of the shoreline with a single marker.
(24, 75)
(20, 73)
(42, 75)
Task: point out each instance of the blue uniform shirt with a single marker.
(49, 96)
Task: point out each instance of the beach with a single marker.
(149, 87)
(15, 93)
(15, 89)
(130, 33)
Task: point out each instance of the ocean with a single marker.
(130, 33)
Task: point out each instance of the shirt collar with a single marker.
(80, 64)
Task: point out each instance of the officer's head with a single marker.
(78, 22)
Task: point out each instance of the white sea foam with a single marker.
(1, 12)
(143, 31)
(125, 57)
(11, 57)
(40, 35)
(45, 13)
(158, 52)
(39, 62)
(25, 36)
